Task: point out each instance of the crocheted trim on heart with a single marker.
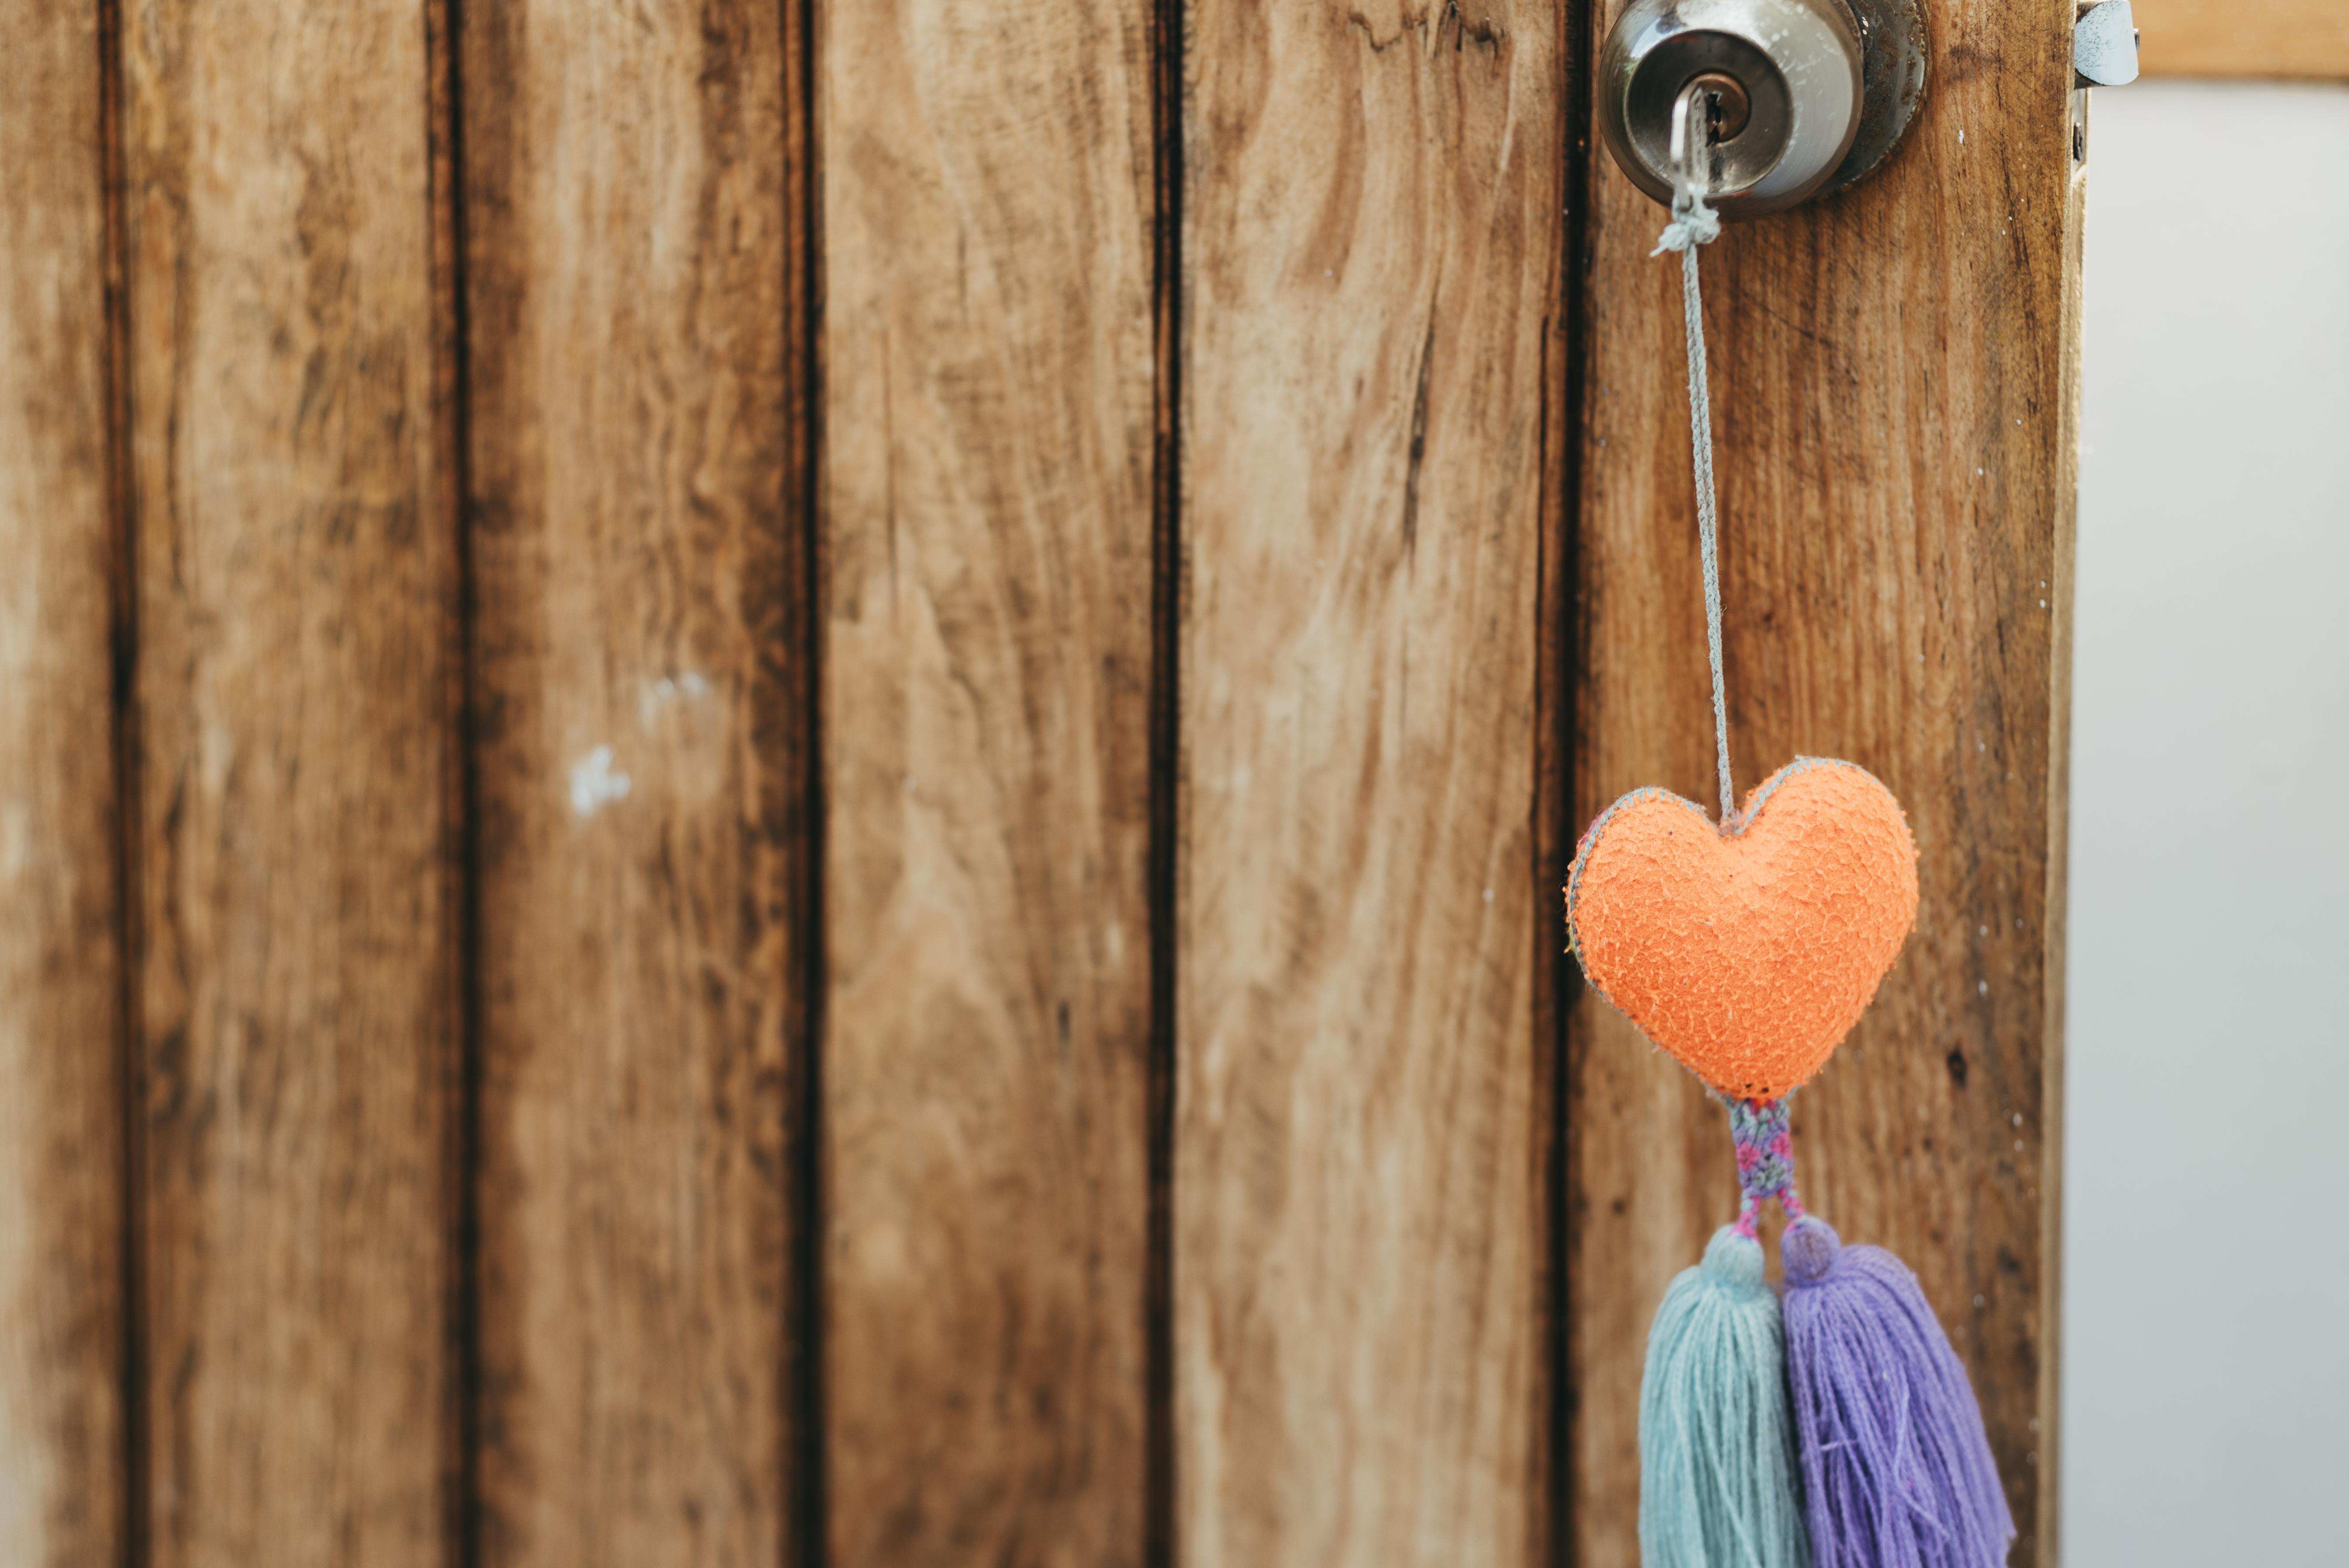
(1786, 1050)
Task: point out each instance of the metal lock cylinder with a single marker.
(1801, 96)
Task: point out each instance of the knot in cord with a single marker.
(1694, 223)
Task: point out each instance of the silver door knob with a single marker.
(1801, 96)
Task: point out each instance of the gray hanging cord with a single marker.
(1695, 224)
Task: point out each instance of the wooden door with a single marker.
(1894, 377)
(787, 783)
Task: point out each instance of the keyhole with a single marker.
(1726, 106)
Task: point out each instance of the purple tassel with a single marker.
(1897, 1469)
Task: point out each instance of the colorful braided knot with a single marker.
(1765, 1158)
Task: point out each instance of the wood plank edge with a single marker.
(2250, 67)
(1557, 979)
(2048, 1527)
(462, 1066)
(121, 503)
(1161, 1513)
(806, 1488)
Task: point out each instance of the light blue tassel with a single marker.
(1718, 1482)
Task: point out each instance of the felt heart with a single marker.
(1749, 953)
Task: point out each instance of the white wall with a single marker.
(2206, 1324)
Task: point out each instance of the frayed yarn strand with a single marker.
(1897, 1473)
(1717, 1468)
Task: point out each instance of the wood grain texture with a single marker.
(1371, 272)
(296, 616)
(639, 693)
(2308, 39)
(640, 722)
(989, 419)
(1892, 386)
(61, 1472)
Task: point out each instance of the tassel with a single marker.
(1897, 1470)
(1717, 1476)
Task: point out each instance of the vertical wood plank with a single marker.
(296, 615)
(1892, 395)
(61, 1476)
(990, 409)
(1371, 272)
(639, 690)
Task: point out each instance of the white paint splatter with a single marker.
(593, 782)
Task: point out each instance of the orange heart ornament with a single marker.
(1748, 954)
